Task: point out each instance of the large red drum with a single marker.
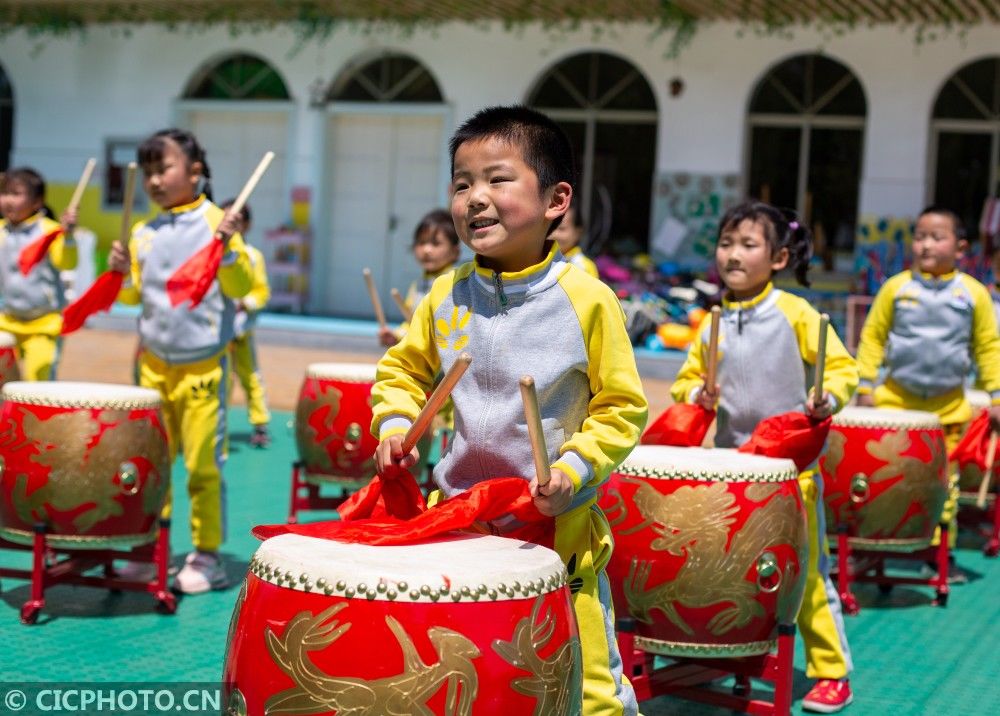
(885, 477)
(9, 370)
(87, 460)
(333, 423)
(970, 474)
(468, 624)
(710, 549)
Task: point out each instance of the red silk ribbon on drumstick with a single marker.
(794, 436)
(486, 501)
(99, 297)
(681, 425)
(193, 279)
(32, 254)
(393, 494)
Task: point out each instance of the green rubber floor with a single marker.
(910, 657)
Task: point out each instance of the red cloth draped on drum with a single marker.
(32, 254)
(193, 279)
(794, 436)
(974, 444)
(99, 297)
(680, 425)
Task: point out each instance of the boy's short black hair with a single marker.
(244, 212)
(958, 226)
(545, 148)
(29, 178)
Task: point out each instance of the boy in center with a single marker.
(519, 308)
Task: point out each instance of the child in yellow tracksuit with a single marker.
(184, 346)
(926, 326)
(520, 308)
(568, 237)
(764, 326)
(33, 295)
(435, 247)
(243, 348)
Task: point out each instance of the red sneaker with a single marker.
(828, 696)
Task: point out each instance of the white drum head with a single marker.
(459, 568)
(979, 399)
(7, 340)
(713, 464)
(864, 417)
(67, 394)
(346, 372)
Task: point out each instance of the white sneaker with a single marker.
(202, 572)
(136, 571)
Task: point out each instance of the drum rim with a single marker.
(921, 420)
(7, 340)
(693, 649)
(455, 591)
(786, 472)
(326, 370)
(62, 539)
(18, 392)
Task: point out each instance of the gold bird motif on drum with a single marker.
(557, 682)
(316, 692)
(694, 522)
(314, 442)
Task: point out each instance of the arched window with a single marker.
(965, 137)
(806, 129)
(387, 78)
(238, 77)
(6, 120)
(607, 108)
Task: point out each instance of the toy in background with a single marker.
(689, 207)
(881, 250)
(288, 268)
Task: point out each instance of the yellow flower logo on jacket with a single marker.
(446, 331)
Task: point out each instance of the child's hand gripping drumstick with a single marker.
(551, 489)
(818, 407)
(984, 486)
(401, 451)
(708, 396)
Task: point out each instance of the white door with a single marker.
(384, 174)
(234, 143)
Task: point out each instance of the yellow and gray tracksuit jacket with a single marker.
(258, 296)
(556, 324)
(33, 303)
(767, 354)
(182, 334)
(927, 331)
(579, 259)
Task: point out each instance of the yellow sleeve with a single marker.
(875, 333)
(235, 272)
(260, 292)
(840, 372)
(689, 377)
(131, 292)
(590, 267)
(618, 409)
(406, 373)
(985, 341)
(63, 252)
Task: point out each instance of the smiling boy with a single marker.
(520, 308)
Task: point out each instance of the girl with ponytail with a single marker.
(768, 345)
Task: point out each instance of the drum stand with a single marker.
(971, 516)
(305, 494)
(48, 569)
(689, 678)
(869, 566)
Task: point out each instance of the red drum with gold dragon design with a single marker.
(885, 477)
(710, 549)
(970, 474)
(88, 460)
(464, 625)
(333, 423)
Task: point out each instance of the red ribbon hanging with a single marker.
(973, 446)
(193, 279)
(99, 297)
(32, 254)
(794, 436)
(681, 425)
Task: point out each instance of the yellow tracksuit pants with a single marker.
(194, 410)
(583, 541)
(820, 620)
(39, 356)
(244, 356)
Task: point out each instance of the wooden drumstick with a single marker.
(984, 486)
(434, 403)
(401, 305)
(81, 186)
(247, 190)
(824, 328)
(712, 366)
(126, 229)
(543, 471)
(373, 295)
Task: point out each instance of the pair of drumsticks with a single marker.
(532, 416)
(712, 363)
(377, 304)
